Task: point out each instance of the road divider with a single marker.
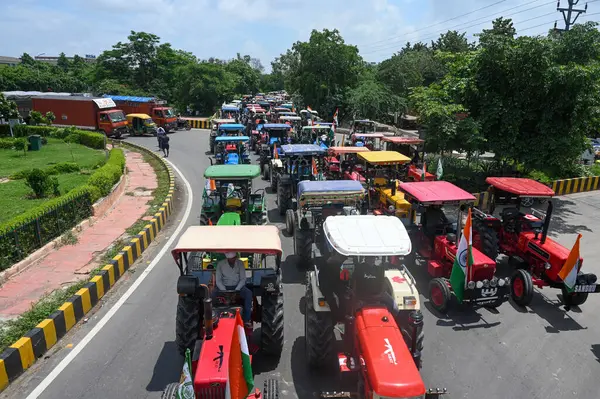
(24, 352)
(199, 123)
(575, 185)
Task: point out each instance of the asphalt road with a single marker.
(540, 352)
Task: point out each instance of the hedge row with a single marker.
(70, 134)
(56, 169)
(104, 178)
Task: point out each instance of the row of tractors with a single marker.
(367, 200)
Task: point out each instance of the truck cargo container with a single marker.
(162, 115)
(90, 113)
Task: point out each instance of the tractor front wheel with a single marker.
(289, 221)
(272, 179)
(573, 298)
(187, 323)
(282, 200)
(439, 294)
(521, 287)
(318, 332)
(303, 246)
(204, 220)
(170, 391)
(265, 172)
(271, 327)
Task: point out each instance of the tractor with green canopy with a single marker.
(228, 198)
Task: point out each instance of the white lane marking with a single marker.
(88, 338)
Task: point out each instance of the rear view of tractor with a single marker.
(228, 197)
(208, 328)
(273, 136)
(315, 202)
(298, 162)
(436, 238)
(523, 237)
(381, 350)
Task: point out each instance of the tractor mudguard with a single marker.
(313, 280)
(306, 221)
(403, 289)
(285, 180)
(267, 280)
(276, 164)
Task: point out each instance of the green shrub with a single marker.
(108, 175)
(91, 139)
(28, 130)
(4, 130)
(58, 169)
(21, 144)
(595, 169)
(41, 183)
(72, 138)
(62, 133)
(7, 143)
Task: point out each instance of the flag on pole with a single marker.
(569, 271)
(186, 385)
(335, 117)
(315, 171)
(275, 154)
(424, 171)
(440, 170)
(240, 381)
(462, 261)
(308, 108)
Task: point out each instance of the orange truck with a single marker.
(162, 115)
(90, 113)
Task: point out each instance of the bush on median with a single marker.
(108, 175)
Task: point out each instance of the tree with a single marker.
(8, 108)
(62, 62)
(452, 42)
(370, 99)
(502, 29)
(204, 86)
(408, 69)
(27, 60)
(247, 79)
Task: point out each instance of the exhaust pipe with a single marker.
(547, 221)
(415, 319)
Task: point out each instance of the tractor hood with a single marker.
(391, 369)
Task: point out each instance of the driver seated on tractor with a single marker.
(231, 276)
(331, 286)
(433, 221)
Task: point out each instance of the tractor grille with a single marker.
(211, 392)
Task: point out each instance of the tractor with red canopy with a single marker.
(342, 164)
(435, 238)
(523, 237)
(408, 146)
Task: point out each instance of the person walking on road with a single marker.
(160, 132)
(164, 145)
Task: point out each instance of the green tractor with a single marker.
(228, 198)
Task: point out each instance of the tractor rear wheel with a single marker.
(303, 246)
(573, 298)
(212, 145)
(170, 391)
(272, 179)
(187, 323)
(265, 172)
(439, 294)
(289, 221)
(489, 239)
(204, 219)
(271, 389)
(521, 287)
(271, 327)
(318, 332)
(281, 199)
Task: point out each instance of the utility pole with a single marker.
(569, 14)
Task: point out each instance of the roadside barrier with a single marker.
(203, 123)
(575, 185)
(22, 354)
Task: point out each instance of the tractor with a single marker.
(207, 329)
(225, 130)
(228, 198)
(214, 131)
(230, 111)
(523, 237)
(232, 150)
(298, 162)
(435, 239)
(321, 135)
(362, 126)
(370, 140)
(382, 170)
(315, 202)
(409, 146)
(342, 163)
(380, 350)
(272, 137)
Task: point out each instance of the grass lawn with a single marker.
(13, 195)
(56, 151)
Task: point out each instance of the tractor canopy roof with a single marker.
(230, 108)
(291, 117)
(348, 150)
(302, 149)
(319, 123)
(363, 122)
(384, 157)
(368, 135)
(222, 239)
(288, 105)
(521, 186)
(333, 191)
(232, 172)
(231, 126)
(222, 121)
(282, 109)
(367, 235)
(275, 126)
(231, 138)
(436, 192)
(402, 140)
(316, 127)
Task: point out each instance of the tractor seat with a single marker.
(233, 159)
(451, 237)
(510, 213)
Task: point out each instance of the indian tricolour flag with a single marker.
(240, 381)
(568, 273)
(462, 261)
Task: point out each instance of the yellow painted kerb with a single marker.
(25, 349)
(3, 375)
(49, 332)
(111, 274)
(86, 301)
(99, 286)
(120, 264)
(69, 314)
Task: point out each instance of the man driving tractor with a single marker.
(231, 276)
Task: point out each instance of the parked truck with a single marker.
(162, 115)
(90, 113)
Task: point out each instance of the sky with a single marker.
(261, 28)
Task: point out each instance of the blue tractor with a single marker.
(232, 150)
(272, 137)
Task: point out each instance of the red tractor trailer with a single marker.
(90, 113)
(162, 115)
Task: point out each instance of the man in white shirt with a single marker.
(231, 276)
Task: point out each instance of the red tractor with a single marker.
(435, 238)
(208, 329)
(523, 237)
(341, 163)
(381, 348)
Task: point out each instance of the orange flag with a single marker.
(275, 154)
(314, 167)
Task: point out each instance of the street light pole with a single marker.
(38, 70)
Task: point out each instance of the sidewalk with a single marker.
(71, 263)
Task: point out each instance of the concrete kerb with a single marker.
(24, 352)
(199, 123)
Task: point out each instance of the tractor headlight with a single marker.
(501, 282)
(486, 283)
(494, 282)
(548, 266)
(410, 302)
(471, 285)
(479, 284)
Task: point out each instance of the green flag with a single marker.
(463, 261)
(186, 385)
